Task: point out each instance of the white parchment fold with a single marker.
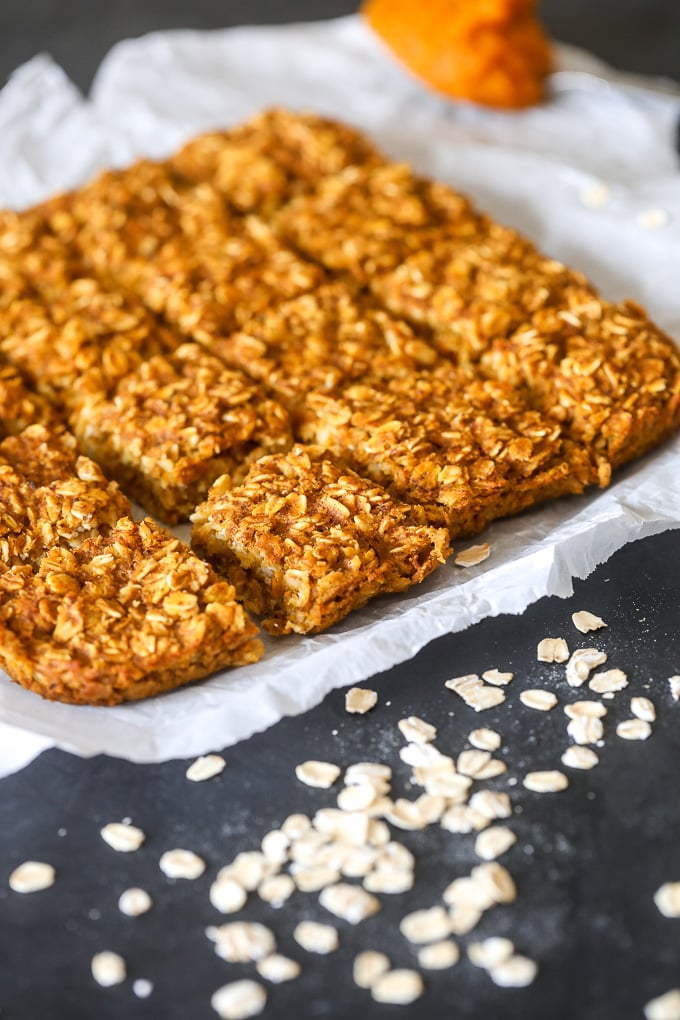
(530, 169)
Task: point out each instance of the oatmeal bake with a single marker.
(335, 366)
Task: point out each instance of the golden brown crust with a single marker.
(121, 617)
(51, 496)
(177, 423)
(81, 343)
(317, 342)
(207, 291)
(455, 446)
(261, 164)
(19, 407)
(305, 540)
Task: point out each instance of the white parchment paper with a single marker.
(529, 169)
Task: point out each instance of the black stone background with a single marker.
(587, 861)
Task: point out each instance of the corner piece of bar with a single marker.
(305, 540)
(122, 617)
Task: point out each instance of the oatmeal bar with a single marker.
(474, 290)
(19, 407)
(207, 291)
(322, 340)
(608, 375)
(305, 540)
(123, 217)
(50, 495)
(33, 261)
(177, 423)
(466, 455)
(124, 616)
(80, 343)
(262, 163)
(368, 220)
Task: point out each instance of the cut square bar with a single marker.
(460, 448)
(177, 423)
(305, 540)
(323, 340)
(261, 164)
(124, 616)
(51, 496)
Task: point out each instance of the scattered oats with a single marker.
(360, 700)
(595, 196)
(546, 782)
(121, 837)
(439, 955)
(356, 798)
(388, 880)
(451, 785)
(585, 729)
(248, 869)
(467, 891)
(274, 846)
(491, 952)
(108, 969)
(491, 803)
(425, 925)
(462, 818)
(416, 730)
(494, 767)
(494, 842)
(349, 902)
(306, 848)
(666, 1007)
(667, 899)
(295, 826)
(182, 864)
(634, 729)
(552, 649)
(643, 708)
(368, 772)
(350, 827)
(580, 758)
(539, 699)
(485, 740)
(470, 762)
(585, 709)
(276, 889)
(206, 767)
(242, 941)
(398, 987)
(652, 219)
(239, 1000)
(378, 832)
(463, 919)
(409, 814)
(368, 967)
(319, 774)
(316, 938)
(396, 855)
(227, 896)
(581, 664)
(585, 621)
(31, 876)
(425, 755)
(608, 681)
(313, 879)
(496, 880)
(495, 677)
(277, 968)
(473, 555)
(134, 902)
(142, 988)
(517, 972)
(674, 684)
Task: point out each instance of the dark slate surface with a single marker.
(587, 861)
